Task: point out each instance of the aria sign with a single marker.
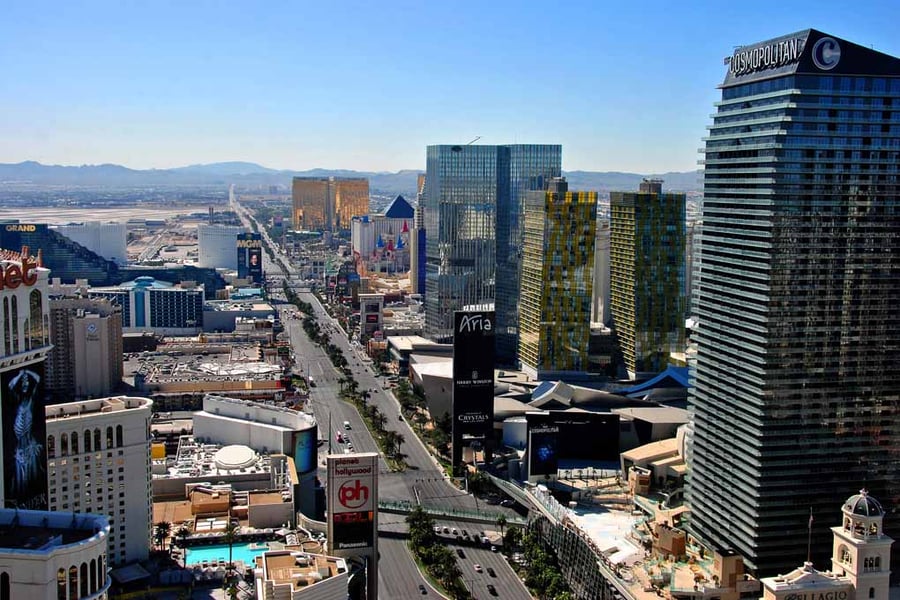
(12, 275)
(768, 56)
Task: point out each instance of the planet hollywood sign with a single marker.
(766, 56)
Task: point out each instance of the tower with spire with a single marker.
(862, 551)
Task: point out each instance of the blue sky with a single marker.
(625, 86)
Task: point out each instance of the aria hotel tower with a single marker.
(797, 380)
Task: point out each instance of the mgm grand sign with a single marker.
(770, 55)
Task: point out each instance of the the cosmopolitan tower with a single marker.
(797, 382)
(472, 204)
(647, 275)
(557, 281)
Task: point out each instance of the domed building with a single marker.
(860, 560)
(862, 552)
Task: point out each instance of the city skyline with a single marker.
(169, 85)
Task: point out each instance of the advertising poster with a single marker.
(24, 438)
(352, 493)
(473, 377)
(249, 245)
(305, 444)
(559, 435)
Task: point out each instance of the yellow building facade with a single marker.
(328, 203)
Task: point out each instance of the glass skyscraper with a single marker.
(646, 257)
(557, 281)
(472, 205)
(797, 379)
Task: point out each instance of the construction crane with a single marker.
(477, 137)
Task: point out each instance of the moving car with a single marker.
(477, 568)
(492, 590)
(491, 572)
(422, 590)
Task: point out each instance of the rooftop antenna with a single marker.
(477, 137)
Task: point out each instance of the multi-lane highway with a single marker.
(424, 480)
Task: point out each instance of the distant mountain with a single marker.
(247, 173)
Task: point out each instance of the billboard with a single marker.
(24, 437)
(305, 443)
(561, 435)
(249, 256)
(473, 377)
(352, 491)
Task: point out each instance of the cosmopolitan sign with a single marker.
(768, 56)
(12, 275)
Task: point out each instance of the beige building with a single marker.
(328, 203)
(86, 360)
(53, 555)
(294, 575)
(98, 461)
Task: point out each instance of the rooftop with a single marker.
(40, 531)
(86, 408)
(194, 459)
(300, 569)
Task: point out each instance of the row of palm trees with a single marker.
(439, 560)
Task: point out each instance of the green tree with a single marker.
(182, 534)
(230, 536)
(160, 533)
(501, 523)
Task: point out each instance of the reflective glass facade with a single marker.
(647, 300)
(472, 203)
(797, 381)
(557, 282)
(528, 167)
(328, 203)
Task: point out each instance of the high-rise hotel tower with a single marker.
(797, 381)
(472, 205)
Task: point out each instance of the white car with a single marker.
(477, 567)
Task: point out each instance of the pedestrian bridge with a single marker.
(450, 514)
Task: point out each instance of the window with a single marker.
(74, 442)
(34, 330)
(96, 439)
(61, 584)
(119, 436)
(4, 586)
(51, 446)
(87, 440)
(64, 444)
(84, 579)
(73, 583)
(871, 592)
(109, 437)
(93, 575)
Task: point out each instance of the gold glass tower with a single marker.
(328, 203)
(557, 280)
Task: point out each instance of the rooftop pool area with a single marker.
(244, 552)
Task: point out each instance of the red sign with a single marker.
(12, 276)
(353, 494)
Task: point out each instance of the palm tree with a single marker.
(398, 439)
(160, 533)
(501, 523)
(230, 536)
(182, 535)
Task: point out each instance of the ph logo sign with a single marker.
(353, 494)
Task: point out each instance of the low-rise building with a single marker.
(295, 575)
(52, 555)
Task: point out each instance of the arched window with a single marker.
(109, 437)
(844, 555)
(7, 328)
(27, 337)
(14, 322)
(97, 439)
(871, 592)
(51, 446)
(64, 444)
(101, 570)
(73, 583)
(93, 575)
(87, 440)
(119, 436)
(61, 584)
(877, 563)
(75, 443)
(46, 329)
(4, 586)
(84, 580)
(35, 331)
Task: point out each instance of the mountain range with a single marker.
(250, 174)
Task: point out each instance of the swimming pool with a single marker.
(245, 552)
